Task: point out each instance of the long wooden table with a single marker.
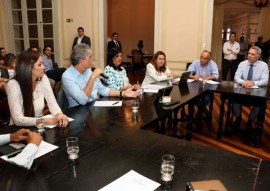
(112, 142)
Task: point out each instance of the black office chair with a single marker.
(62, 100)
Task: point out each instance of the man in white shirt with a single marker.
(251, 72)
(81, 38)
(230, 49)
(26, 157)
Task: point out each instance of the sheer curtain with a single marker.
(264, 27)
(217, 35)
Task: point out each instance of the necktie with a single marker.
(250, 73)
(117, 46)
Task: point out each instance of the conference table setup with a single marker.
(113, 141)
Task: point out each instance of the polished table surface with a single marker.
(112, 143)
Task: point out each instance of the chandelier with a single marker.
(260, 3)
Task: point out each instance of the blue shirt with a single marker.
(260, 73)
(48, 63)
(73, 84)
(210, 69)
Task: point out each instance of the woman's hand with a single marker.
(62, 120)
(170, 75)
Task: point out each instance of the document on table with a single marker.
(212, 82)
(51, 116)
(152, 88)
(44, 148)
(108, 103)
(131, 181)
(253, 87)
(190, 80)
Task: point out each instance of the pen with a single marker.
(115, 103)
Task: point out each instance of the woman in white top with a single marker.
(27, 91)
(157, 69)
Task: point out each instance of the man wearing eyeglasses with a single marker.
(204, 69)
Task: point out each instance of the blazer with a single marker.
(111, 44)
(85, 40)
(4, 73)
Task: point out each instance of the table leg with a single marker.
(259, 125)
(190, 118)
(219, 132)
(175, 122)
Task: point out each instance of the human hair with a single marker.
(233, 33)
(32, 47)
(17, 178)
(10, 58)
(257, 49)
(207, 52)
(80, 51)
(47, 46)
(114, 33)
(154, 61)
(113, 52)
(24, 65)
(80, 28)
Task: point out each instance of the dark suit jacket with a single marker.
(85, 40)
(4, 73)
(111, 44)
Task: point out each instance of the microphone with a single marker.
(103, 75)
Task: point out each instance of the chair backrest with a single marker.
(137, 58)
(62, 100)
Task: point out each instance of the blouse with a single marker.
(42, 91)
(152, 75)
(117, 79)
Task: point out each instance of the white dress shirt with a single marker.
(25, 158)
(228, 55)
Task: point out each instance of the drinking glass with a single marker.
(72, 147)
(167, 167)
(169, 81)
(135, 105)
(40, 125)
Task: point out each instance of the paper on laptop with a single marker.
(108, 103)
(131, 181)
(44, 148)
(51, 116)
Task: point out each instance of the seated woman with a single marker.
(118, 79)
(27, 91)
(157, 69)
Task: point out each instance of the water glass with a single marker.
(169, 81)
(40, 125)
(141, 91)
(167, 167)
(235, 85)
(135, 105)
(72, 147)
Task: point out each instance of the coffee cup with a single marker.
(166, 99)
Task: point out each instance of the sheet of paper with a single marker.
(190, 80)
(108, 104)
(253, 87)
(212, 82)
(176, 80)
(150, 90)
(131, 181)
(44, 148)
(51, 116)
(153, 86)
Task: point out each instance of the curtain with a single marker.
(216, 35)
(264, 26)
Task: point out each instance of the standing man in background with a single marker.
(81, 38)
(114, 43)
(230, 49)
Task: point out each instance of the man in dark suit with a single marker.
(114, 43)
(81, 38)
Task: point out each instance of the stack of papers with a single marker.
(131, 181)
(44, 148)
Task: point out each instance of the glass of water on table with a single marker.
(167, 167)
(72, 147)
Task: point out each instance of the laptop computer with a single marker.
(165, 92)
(184, 78)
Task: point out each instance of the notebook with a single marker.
(165, 92)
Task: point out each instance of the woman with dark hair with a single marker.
(27, 91)
(157, 69)
(17, 178)
(10, 64)
(118, 79)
